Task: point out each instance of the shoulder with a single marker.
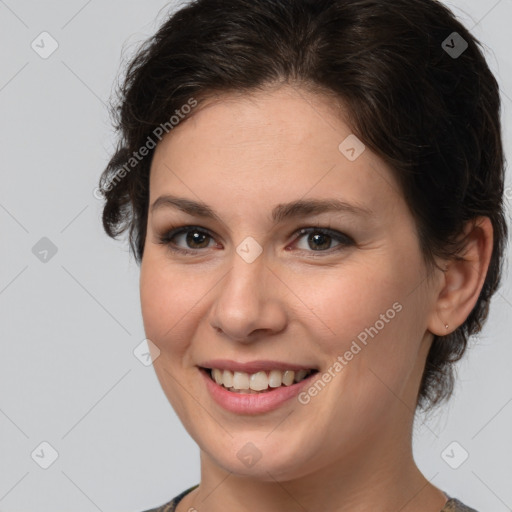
(454, 505)
(171, 505)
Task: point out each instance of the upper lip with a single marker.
(253, 366)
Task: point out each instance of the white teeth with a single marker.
(227, 379)
(240, 380)
(259, 381)
(217, 375)
(275, 378)
(288, 377)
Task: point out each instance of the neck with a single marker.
(374, 476)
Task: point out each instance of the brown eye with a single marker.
(195, 239)
(320, 240)
(192, 237)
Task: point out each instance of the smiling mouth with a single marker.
(259, 382)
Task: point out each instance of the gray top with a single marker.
(452, 505)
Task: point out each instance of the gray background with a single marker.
(70, 324)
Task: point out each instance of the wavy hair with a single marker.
(414, 94)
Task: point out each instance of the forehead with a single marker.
(275, 146)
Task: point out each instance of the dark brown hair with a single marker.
(414, 94)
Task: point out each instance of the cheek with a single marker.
(347, 302)
(368, 315)
(165, 300)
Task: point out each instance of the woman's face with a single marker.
(348, 298)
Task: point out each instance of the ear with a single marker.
(463, 280)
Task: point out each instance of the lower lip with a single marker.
(245, 403)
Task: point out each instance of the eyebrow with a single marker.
(281, 212)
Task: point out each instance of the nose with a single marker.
(249, 303)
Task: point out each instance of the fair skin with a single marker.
(349, 448)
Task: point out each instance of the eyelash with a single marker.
(166, 239)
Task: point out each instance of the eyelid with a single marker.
(174, 231)
(333, 233)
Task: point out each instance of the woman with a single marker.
(314, 191)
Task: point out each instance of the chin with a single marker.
(261, 459)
